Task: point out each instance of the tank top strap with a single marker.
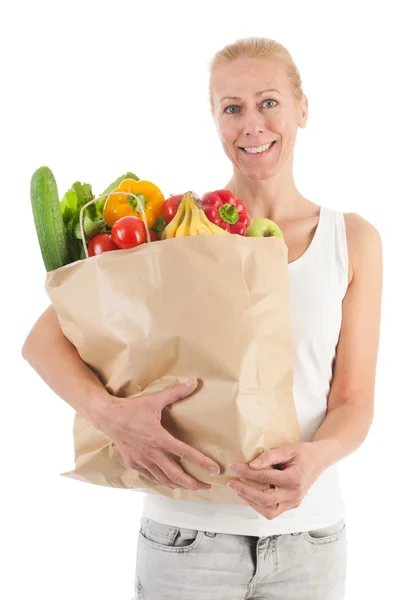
(334, 241)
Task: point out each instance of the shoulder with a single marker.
(363, 242)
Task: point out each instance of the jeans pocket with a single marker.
(325, 535)
(167, 537)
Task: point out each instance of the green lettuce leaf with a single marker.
(160, 225)
(93, 223)
(72, 202)
(91, 228)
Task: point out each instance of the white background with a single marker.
(95, 89)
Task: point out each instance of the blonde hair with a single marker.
(257, 47)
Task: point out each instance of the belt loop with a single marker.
(210, 534)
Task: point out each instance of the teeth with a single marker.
(259, 149)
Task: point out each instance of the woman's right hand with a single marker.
(134, 425)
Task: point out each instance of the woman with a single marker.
(290, 540)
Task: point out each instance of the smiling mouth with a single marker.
(259, 150)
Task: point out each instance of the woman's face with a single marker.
(256, 115)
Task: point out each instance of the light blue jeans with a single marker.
(185, 564)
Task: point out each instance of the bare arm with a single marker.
(135, 427)
(58, 363)
(351, 398)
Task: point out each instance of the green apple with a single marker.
(263, 228)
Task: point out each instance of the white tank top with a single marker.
(318, 283)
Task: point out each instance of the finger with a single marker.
(262, 498)
(146, 474)
(276, 456)
(150, 477)
(287, 478)
(284, 479)
(178, 448)
(176, 474)
(175, 392)
(273, 511)
(159, 474)
(282, 507)
(245, 471)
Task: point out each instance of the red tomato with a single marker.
(153, 236)
(128, 232)
(101, 243)
(238, 228)
(213, 215)
(211, 199)
(171, 206)
(226, 196)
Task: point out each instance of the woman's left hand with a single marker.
(299, 466)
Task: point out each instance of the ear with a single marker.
(303, 112)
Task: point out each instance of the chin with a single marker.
(259, 174)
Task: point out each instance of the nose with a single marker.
(254, 125)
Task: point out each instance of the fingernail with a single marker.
(190, 382)
(230, 485)
(213, 469)
(256, 463)
(233, 468)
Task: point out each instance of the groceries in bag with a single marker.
(215, 306)
(129, 213)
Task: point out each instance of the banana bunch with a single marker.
(190, 219)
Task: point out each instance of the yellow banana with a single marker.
(193, 230)
(201, 228)
(211, 226)
(184, 227)
(190, 219)
(171, 228)
(200, 225)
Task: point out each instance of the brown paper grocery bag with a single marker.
(214, 307)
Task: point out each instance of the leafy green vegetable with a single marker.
(76, 197)
(93, 223)
(159, 225)
(91, 228)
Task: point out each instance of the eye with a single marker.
(232, 110)
(270, 100)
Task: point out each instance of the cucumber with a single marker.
(48, 219)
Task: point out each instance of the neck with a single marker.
(276, 198)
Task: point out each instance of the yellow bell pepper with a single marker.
(120, 205)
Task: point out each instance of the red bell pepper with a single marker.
(222, 208)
